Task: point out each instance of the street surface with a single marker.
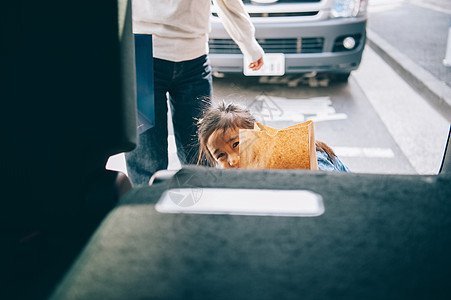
(417, 28)
(377, 122)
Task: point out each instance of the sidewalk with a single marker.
(411, 36)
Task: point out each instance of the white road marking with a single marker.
(364, 152)
(272, 108)
(117, 163)
(376, 6)
(173, 159)
(328, 117)
(172, 148)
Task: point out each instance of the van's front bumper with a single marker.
(326, 59)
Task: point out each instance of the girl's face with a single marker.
(224, 147)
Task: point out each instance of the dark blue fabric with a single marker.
(189, 86)
(144, 82)
(325, 164)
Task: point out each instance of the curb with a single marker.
(435, 91)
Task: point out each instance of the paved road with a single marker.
(412, 36)
(377, 123)
(417, 127)
(419, 29)
(343, 118)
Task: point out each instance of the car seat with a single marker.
(379, 237)
(68, 103)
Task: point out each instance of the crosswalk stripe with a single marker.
(364, 152)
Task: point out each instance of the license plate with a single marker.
(273, 65)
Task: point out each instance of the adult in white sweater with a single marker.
(182, 70)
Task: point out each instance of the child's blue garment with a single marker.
(325, 164)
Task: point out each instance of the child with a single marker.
(218, 133)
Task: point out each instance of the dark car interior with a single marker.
(72, 230)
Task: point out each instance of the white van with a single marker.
(299, 36)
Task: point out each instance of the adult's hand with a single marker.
(256, 65)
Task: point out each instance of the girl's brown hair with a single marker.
(230, 116)
(221, 117)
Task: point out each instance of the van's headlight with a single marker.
(349, 8)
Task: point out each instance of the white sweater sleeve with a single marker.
(239, 26)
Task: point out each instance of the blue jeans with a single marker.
(189, 85)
